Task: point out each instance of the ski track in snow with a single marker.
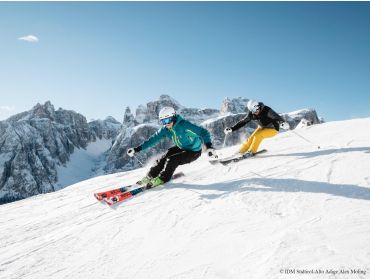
(294, 207)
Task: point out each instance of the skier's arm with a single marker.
(201, 132)
(154, 139)
(277, 120)
(275, 116)
(241, 123)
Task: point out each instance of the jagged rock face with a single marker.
(142, 115)
(294, 118)
(25, 167)
(154, 107)
(32, 144)
(217, 126)
(133, 137)
(198, 115)
(150, 112)
(39, 111)
(128, 118)
(234, 106)
(108, 129)
(304, 123)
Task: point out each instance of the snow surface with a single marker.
(295, 207)
(83, 163)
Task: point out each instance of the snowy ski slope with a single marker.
(295, 207)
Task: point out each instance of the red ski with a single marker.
(113, 199)
(100, 196)
(123, 196)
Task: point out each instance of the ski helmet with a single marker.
(166, 113)
(253, 106)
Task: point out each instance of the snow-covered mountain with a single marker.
(107, 128)
(234, 106)
(150, 113)
(293, 208)
(35, 144)
(309, 117)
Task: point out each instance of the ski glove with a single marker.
(211, 153)
(228, 130)
(131, 152)
(210, 150)
(285, 125)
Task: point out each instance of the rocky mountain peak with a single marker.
(234, 106)
(142, 114)
(164, 100)
(167, 100)
(36, 142)
(128, 118)
(111, 119)
(43, 111)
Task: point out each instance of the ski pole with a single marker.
(142, 165)
(305, 139)
(223, 146)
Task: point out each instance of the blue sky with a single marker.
(97, 58)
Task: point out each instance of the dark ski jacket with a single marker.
(184, 134)
(267, 118)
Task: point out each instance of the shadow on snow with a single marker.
(323, 152)
(280, 185)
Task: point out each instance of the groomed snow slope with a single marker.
(295, 207)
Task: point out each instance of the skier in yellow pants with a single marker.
(253, 142)
(268, 126)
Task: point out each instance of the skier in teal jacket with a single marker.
(188, 139)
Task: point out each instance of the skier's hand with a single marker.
(210, 150)
(285, 125)
(228, 130)
(211, 153)
(131, 151)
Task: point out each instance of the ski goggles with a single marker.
(255, 109)
(167, 120)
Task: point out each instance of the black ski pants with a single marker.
(167, 164)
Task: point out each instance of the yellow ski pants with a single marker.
(253, 142)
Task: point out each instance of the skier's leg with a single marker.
(259, 136)
(172, 162)
(160, 163)
(246, 145)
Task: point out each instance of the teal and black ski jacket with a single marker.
(184, 134)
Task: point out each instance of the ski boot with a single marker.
(144, 181)
(248, 154)
(155, 182)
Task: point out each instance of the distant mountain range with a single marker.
(36, 143)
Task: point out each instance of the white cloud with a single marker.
(29, 38)
(7, 108)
